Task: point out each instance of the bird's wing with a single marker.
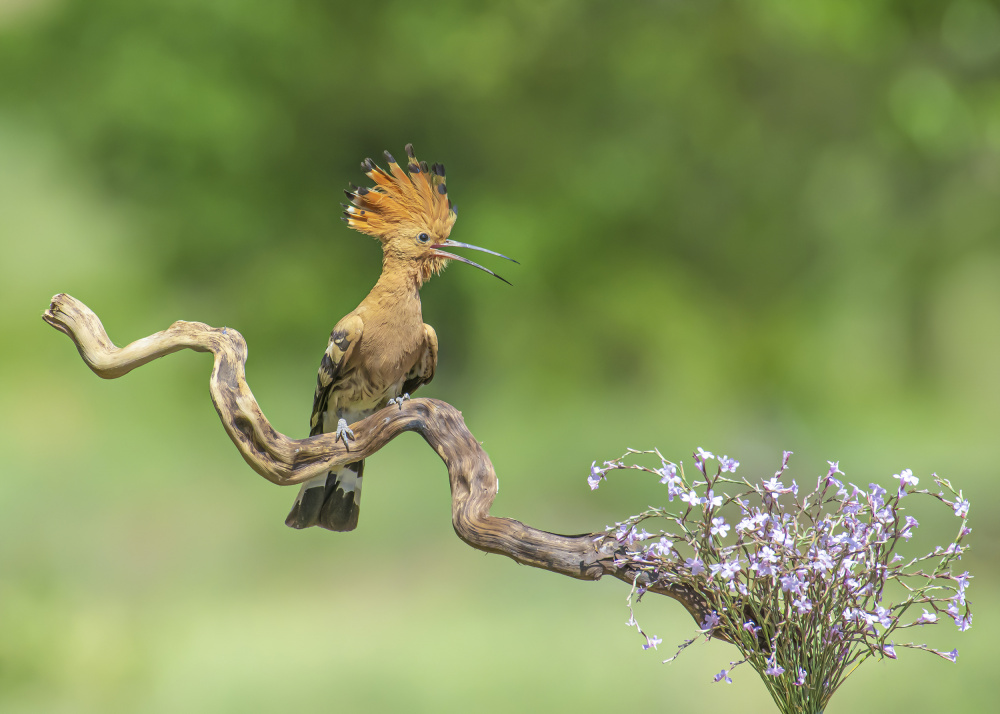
(343, 339)
(423, 371)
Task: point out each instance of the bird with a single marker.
(382, 351)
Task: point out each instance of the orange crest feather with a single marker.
(412, 200)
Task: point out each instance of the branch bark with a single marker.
(285, 461)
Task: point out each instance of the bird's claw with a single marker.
(399, 400)
(343, 432)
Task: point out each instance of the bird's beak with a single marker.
(456, 244)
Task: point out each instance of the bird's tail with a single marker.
(332, 501)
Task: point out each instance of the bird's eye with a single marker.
(423, 237)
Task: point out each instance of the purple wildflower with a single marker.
(663, 547)
(595, 477)
(728, 465)
(692, 498)
(906, 478)
(731, 569)
(791, 583)
(774, 485)
(668, 473)
(723, 676)
(884, 616)
(780, 537)
(876, 495)
(711, 621)
(911, 525)
(752, 522)
(695, 565)
(822, 561)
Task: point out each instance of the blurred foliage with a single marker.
(747, 225)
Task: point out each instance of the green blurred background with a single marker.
(748, 226)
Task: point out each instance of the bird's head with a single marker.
(410, 213)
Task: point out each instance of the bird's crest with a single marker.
(417, 197)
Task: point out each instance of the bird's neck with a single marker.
(401, 278)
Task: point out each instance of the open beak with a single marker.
(456, 244)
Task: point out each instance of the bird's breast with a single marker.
(392, 343)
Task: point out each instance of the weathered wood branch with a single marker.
(285, 461)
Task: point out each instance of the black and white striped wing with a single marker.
(423, 371)
(343, 339)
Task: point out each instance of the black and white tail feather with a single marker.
(332, 501)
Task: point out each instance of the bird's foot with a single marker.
(399, 400)
(343, 432)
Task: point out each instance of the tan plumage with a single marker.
(382, 350)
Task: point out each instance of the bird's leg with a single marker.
(343, 432)
(399, 400)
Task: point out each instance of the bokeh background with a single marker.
(749, 226)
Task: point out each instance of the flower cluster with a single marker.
(805, 585)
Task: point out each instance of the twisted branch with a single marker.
(285, 461)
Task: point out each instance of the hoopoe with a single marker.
(381, 351)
